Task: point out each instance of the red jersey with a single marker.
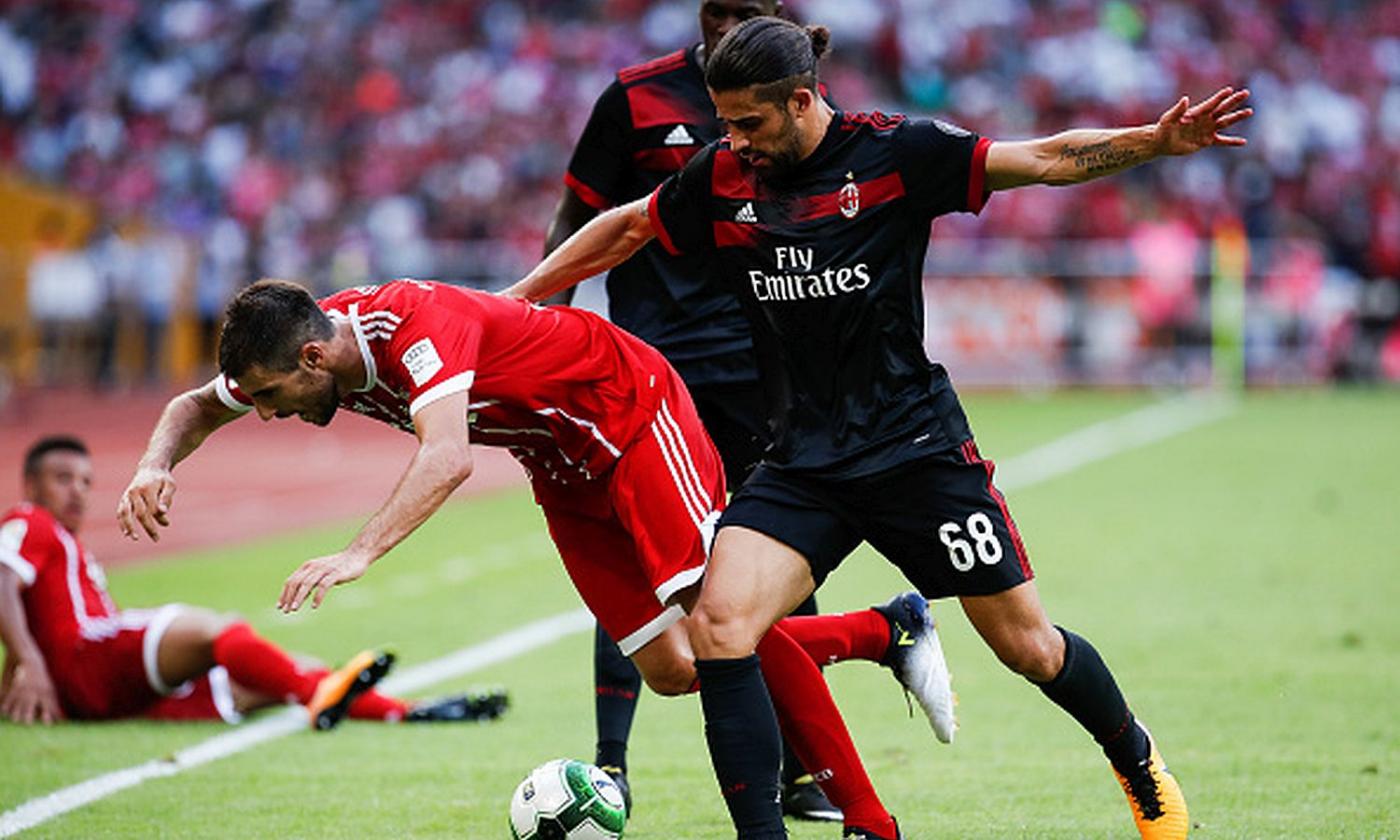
(65, 591)
(564, 390)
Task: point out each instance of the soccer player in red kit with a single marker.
(71, 653)
(818, 221)
(630, 484)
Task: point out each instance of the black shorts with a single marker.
(939, 519)
(736, 417)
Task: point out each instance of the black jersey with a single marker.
(828, 264)
(644, 127)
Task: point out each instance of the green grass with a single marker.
(1240, 579)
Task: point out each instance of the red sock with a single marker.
(372, 705)
(258, 664)
(840, 636)
(813, 727)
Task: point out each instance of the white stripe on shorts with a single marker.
(638, 638)
(222, 693)
(150, 645)
(687, 463)
(686, 497)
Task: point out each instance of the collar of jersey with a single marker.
(823, 149)
(813, 161)
(371, 373)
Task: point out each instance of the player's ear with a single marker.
(313, 355)
(801, 101)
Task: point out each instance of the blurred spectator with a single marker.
(113, 256)
(65, 297)
(337, 142)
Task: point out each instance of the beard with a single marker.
(784, 157)
(324, 407)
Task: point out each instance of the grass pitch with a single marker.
(1238, 578)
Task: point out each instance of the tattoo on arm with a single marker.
(1096, 158)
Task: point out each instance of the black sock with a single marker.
(742, 732)
(1085, 688)
(792, 767)
(615, 685)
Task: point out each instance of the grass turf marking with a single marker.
(505, 646)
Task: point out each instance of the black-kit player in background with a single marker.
(818, 221)
(644, 127)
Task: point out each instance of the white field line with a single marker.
(505, 646)
(1103, 440)
(1096, 442)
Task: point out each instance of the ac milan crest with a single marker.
(848, 200)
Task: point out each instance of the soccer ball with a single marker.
(566, 799)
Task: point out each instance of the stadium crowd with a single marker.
(338, 142)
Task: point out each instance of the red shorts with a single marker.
(116, 676)
(646, 535)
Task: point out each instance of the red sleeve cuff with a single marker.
(658, 226)
(587, 194)
(977, 193)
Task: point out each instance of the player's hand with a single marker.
(30, 696)
(316, 577)
(1184, 128)
(146, 502)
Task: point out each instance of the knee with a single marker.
(1036, 654)
(718, 632)
(208, 625)
(672, 679)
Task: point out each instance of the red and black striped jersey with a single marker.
(644, 127)
(827, 261)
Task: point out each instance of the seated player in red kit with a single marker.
(70, 653)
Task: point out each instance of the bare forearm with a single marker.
(601, 244)
(569, 217)
(187, 420)
(1070, 157)
(430, 478)
(14, 631)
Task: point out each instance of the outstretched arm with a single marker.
(443, 461)
(602, 243)
(1072, 157)
(187, 420)
(27, 694)
(570, 215)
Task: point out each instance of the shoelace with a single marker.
(1145, 792)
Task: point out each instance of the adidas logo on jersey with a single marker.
(679, 137)
(746, 214)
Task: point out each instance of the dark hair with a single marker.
(777, 55)
(266, 325)
(52, 443)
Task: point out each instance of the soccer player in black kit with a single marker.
(818, 220)
(644, 127)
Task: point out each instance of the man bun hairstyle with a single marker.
(774, 54)
(266, 325)
(51, 443)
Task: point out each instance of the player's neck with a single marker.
(816, 130)
(346, 363)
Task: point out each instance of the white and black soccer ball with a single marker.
(566, 799)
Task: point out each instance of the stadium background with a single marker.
(158, 155)
(154, 157)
